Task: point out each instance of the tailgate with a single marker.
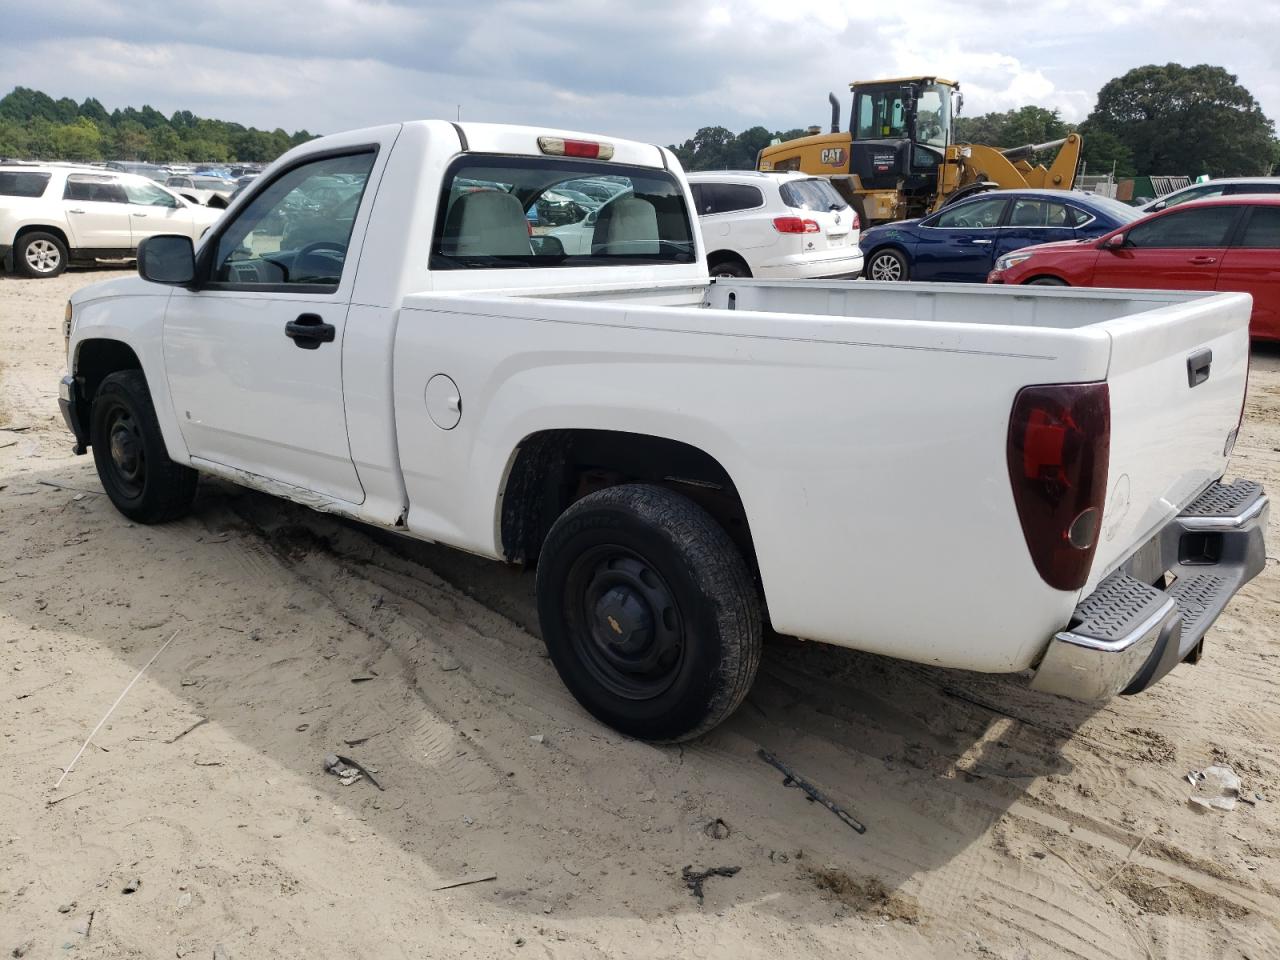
(1169, 437)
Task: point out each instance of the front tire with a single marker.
(888, 264)
(649, 612)
(129, 452)
(1046, 282)
(40, 255)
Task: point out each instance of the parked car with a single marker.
(685, 459)
(961, 242)
(1226, 243)
(51, 215)
(775, 225)
(1227, 186)
(209, 191)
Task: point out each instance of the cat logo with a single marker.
(833, 157)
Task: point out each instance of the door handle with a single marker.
(139, 214)
(309, 331)
(981, 243)
(77, 210)
(1204, 260)
(1198, 365)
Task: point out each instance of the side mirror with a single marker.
(1114, 242)
(1159, 206)
(167, 258)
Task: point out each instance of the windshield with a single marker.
(501, 212)
(812, 194)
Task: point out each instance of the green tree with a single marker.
(130, 141)
(79, 140)
(1192, 120)
(166, 146)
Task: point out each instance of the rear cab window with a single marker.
(99, 188)
(23, 183)
(813, 194)
(498, 211)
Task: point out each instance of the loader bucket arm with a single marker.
(991, 164)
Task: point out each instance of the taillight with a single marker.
(857, 221)
(795, 225)
(1059, 449)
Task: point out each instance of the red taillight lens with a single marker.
(560, 147)
(857, 221)
(1059, 449)
(795, 225)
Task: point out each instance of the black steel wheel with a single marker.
(649, 612)
(129, 452)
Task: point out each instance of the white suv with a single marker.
(52, 214)
(775, 225)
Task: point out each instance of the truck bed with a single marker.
(891, 398)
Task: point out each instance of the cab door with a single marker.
(958, 243)
(1252, 266)
(1179, 250)
(97, 212)
(254, 354)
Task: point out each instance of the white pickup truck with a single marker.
(982, 478)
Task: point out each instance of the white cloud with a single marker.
(655, 71)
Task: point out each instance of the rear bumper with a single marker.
(1128, 634)
(69, 404)
(843, 262)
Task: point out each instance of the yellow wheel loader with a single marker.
(897, 159)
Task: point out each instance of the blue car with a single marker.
(961, 242)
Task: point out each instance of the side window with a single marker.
(21, 183)
(147, 194)
(1263, 229)
(977, 213)
(727, 198)
(1255, 187)
(1198, 227)
(93, 187)
(696, 190)
(1079, 217)
(1039, 213)
(296, 230)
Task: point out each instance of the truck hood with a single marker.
(131, 285)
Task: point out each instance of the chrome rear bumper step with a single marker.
(1127, 634)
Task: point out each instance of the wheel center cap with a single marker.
(624, 620)
(123, 450)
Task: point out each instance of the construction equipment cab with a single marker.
(897, 159)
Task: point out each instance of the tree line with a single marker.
(35, 126)
(1161, 120)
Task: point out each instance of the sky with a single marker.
(656, 70)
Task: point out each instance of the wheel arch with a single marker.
(893, 245)
(551, 469)
(58, 232)
(719, 255)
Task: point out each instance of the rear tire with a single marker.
(649, 612)
(887, 265)
(730, 268)
(39, 255)
(129, 452)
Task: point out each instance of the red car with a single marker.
(1227, 243)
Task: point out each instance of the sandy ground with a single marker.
(999, 823)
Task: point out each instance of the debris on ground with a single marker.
(132, 886)
(538, 738)
(466, 881)
(717, 829)
(790, 778)
(866, 895)
(348, 771)
(22, 949)
(67, 907)
(694, 879)
(220, 952)
(1214, 788)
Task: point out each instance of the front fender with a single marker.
(129, 311)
